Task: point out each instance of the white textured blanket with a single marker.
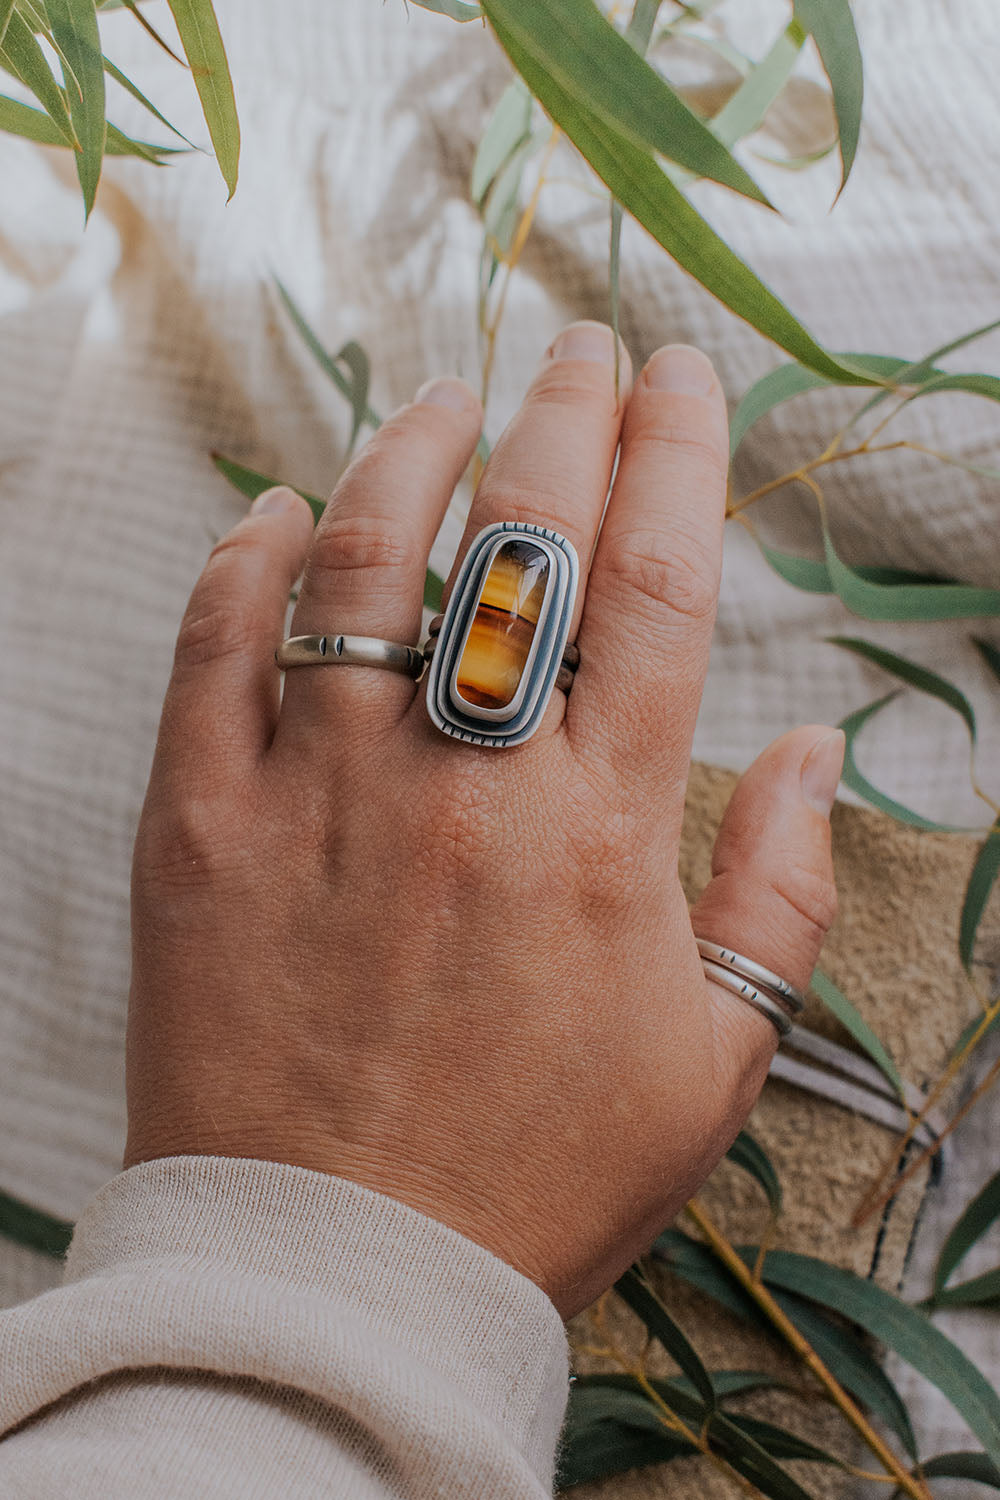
(130, 353)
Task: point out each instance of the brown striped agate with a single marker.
(503, 627)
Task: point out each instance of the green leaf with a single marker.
(924, 369)
(852, 776)
(6, 10)
(838, 1348)
(74, 26)
(744, 110)
(127, 84)
(908, 1332)
(981, 882)
(354, 357)
(609, 1431)
(990, 655)
(780, 385)
(748, 1153)
(749, 1458)
(636, 1291)
(455, 10)
(639, 184)
(979, 1291)
(148, 27)
(20, 119)
(500, 206)
(831, 26)
(251, 484)
(575, 44)
(508, 126)
(22, 56)
(200, 37)
(851, 1019)
(913, 674)
(347, 384)
(875, 601)
(30, 1227)
(975, 1466)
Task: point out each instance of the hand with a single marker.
(466, 977)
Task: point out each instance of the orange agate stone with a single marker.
(503, 627)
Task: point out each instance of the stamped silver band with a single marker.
(350, 651)
(747, 968)
(744, 990)
(502, 641)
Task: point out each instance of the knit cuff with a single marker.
(262, 1269)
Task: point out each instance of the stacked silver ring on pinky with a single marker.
(751, 982)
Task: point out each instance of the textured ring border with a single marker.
(547, 655)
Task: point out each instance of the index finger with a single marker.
(654, 581)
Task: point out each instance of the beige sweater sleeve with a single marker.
(236, 1328)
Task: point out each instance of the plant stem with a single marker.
(911, 1486)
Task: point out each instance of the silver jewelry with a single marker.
(349, 651)
(744, 990)
(747, 968)
(502, 641)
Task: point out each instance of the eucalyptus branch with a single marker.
(754, 1285)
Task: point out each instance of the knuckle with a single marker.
(189, 842)
(345, 544)
(590, 385)
(209, 632)
(647, 565)
(696, 448)
(811, 894)
(529, 505)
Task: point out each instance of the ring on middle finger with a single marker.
(502, 645)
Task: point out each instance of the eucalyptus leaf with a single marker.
(904, 1329)
(609, 1430)
(636, 1291)
(920, 370)
(198, 30)
(508, 126)
(841, 1351)
(989, 653)
(851, 1019)
(126, 83)
(902, 602)
(981, 882)
(852, 776)
(978, 1291)
(251, 484)
(975, 1466)
(6, 10)
(748, 1153)
(787, 381)
(831, 26)
(455, 10)
(149, 28)
(912, 673)
(639, 184)
(22, 56)
(745, 109)
(20, 119)
(575, 44)
(330, 364)
(74, 26)
(35, 1230)
(751, 1459)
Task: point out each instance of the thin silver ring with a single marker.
(744, 990)
(350, 651)
(747, 968)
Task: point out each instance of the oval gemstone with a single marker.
(503, 627)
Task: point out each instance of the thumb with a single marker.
(772, 896)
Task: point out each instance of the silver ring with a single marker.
(748, 992)
(747, 968)
(349, 651)
(503, 639)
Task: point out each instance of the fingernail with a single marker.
(278, 498)
(821, 771)
(589, 341)
(446, 391)
(682, 369)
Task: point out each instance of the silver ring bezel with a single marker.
(513, 724)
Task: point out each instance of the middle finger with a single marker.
(552, 466)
